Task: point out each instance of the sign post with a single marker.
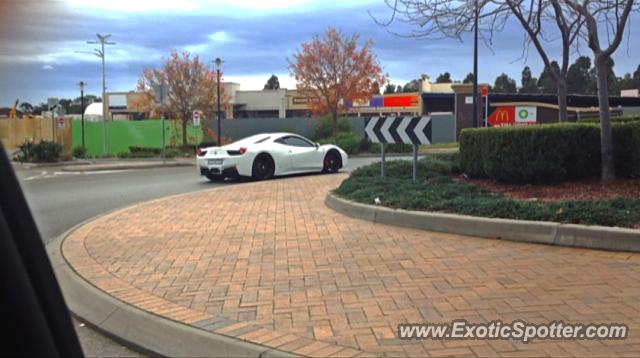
(161, 91)
(407, 130)
(485, 93)
(196, 123)
(61, 124)
(52, 104)
(382, 159)
(196, 119)
(415, 162)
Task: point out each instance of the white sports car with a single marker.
(264, 156)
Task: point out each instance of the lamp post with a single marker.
(82, 84)
(103, 40)
(475, 67)
(218, 62)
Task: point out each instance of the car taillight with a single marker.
(200, 152)
(242, 150)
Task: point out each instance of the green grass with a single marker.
(123, 134)
(437, 191)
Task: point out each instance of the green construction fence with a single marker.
(124, 134)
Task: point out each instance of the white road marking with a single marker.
(369, 129)
(402, 130)
(419, 130)
(385, 129)
(36, 176)
(45, 175)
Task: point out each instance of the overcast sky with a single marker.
(39, 40)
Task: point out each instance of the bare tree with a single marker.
(453, 18)
(533, 16)
(611, 17)
(446, 18)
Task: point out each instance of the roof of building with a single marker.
(94, 109)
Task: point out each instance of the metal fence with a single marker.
(443, 130)
(244, 127)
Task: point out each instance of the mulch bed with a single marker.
(590, 189)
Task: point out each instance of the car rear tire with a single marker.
(263, 167)
(332, 162)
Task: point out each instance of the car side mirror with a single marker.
(317, 145)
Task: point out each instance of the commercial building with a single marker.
(456, 98)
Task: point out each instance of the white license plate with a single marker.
(214, 161)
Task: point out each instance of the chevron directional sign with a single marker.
(407, 130)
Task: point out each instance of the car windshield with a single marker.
(328, 178)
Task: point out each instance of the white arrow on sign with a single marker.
(419, 130)
(385, 130)
(402, 129)
(369, 129)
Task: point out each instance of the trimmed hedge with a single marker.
(546, 153)
(44, 151)
(613, 120)
(436, 190)
(349, 142)
(323, 127)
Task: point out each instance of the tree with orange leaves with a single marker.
(191, 86)
(331, 70)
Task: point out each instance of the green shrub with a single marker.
(79, 152)
(173, 152)
(145, 151)
(323, 128)
(349, 142)
(44, 151)
(399, 148)
(546, 153)
(613, 120)
(24, 153)
(436, 190)
(367, 146)
(151, 152)
(211, 143)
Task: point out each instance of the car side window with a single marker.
(297, 142)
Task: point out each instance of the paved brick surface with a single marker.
(269, 263)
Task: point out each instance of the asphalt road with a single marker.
(59, 200)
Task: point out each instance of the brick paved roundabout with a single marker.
(269, 263)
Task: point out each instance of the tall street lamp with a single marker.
(82, 84)
(475, 67)
(218, 66)
(103, 40)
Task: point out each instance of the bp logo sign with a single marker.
(526, 114)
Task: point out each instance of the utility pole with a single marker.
(82, 84)
(218, 65)
(475, 67)
(103, 40)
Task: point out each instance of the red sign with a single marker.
(484, 90)
(503, 116)
(400, 101)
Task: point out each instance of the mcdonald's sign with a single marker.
(512, 115)
(503, 116)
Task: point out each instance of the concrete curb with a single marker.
(541, 232)
(53, 164)
(124, 166)
(408, 154)
(142, 331)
